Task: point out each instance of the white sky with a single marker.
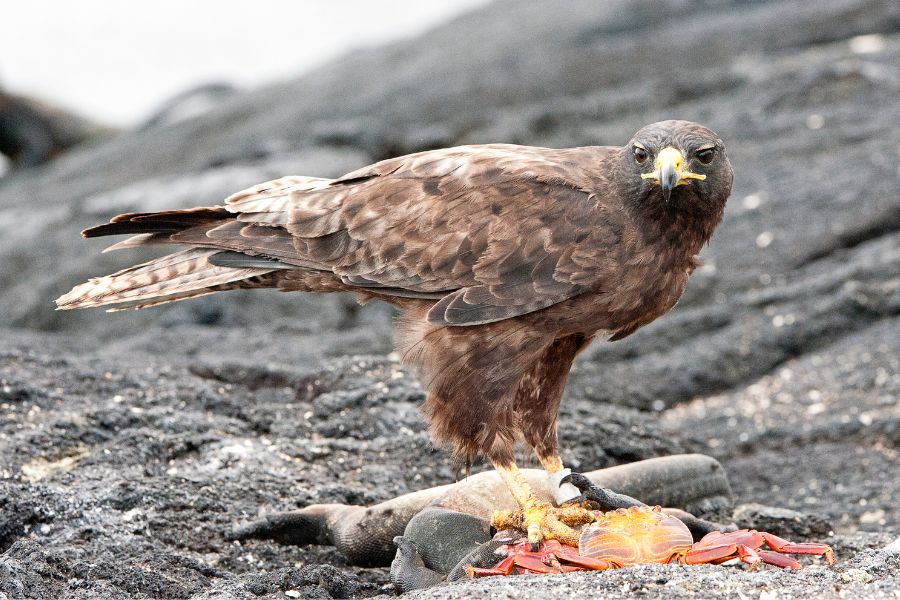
(116, 60)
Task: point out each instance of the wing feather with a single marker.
(491, 232)
(490, 227)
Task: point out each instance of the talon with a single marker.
(542, 521)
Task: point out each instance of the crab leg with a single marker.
(784, 546)
(538, 564)
(531, 563)
(779, 560)
(562, 561)
(749, 556)
(723, 553)
(710, 554)
(502, 568)
(581, 563)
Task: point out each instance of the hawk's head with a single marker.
(679, 164)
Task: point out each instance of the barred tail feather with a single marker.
(178, 276)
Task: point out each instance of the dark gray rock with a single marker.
(33, 132)
(783, 522)
(131, 443)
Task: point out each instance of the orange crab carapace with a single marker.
(625, 537)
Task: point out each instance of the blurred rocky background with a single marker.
(131, 442)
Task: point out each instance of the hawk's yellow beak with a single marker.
(670, 171)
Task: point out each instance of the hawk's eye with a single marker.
(706, 155)
(640, 155)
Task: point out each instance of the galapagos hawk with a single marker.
(504, 262)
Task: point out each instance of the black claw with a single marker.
(535, 546)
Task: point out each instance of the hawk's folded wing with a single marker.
(490, 232)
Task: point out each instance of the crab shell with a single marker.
(629, 536)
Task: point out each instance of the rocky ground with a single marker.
(131, 443)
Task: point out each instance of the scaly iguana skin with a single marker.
(442, 525)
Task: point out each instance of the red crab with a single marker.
(635, 535)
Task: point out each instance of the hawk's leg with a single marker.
(537, 401)
(539, 519)
(562, 491)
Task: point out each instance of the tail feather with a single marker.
(141, 239)
(178, 276)
(167, 221)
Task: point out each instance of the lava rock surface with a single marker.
(131, 443)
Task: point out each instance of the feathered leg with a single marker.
(537, 401)
(484, 396)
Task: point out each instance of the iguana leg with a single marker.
(602, 498)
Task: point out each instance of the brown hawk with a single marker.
(504, 261)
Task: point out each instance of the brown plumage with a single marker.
(504, 261)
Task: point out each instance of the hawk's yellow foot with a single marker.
(541, 520)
